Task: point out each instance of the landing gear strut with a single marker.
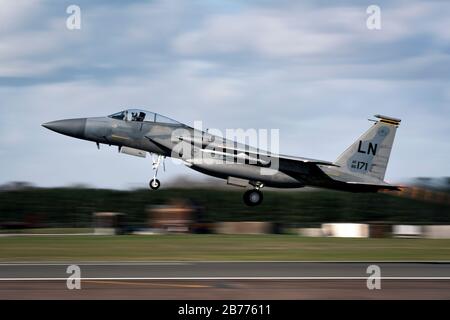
(253, 197)
(154, 183)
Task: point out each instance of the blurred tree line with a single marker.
(74, 206)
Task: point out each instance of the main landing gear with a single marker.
(253, 197)
(154, 184)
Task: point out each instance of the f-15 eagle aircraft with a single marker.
(360, 168)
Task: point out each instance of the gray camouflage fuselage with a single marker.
(180, 141)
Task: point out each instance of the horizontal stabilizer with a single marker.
(380, 186)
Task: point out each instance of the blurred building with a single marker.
(346, 230)
(109, 223)
(176, 216)
(244, 227)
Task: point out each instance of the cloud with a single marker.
(259, 33)
(14, 15)
(316, 34)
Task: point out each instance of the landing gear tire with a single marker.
(253, 197)
(154, 184)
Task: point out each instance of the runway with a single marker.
(225, 280)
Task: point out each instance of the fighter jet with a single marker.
(360, 168)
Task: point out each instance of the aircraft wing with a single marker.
(247, 152)
(263, 157)
(254, 155)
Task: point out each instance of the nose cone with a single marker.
(69, 127)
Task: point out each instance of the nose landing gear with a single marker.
(154, 184)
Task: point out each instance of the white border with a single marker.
(185, 262)
(223, 278)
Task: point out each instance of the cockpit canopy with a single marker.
(142, 115)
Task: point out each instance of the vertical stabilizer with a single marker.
(369, 155)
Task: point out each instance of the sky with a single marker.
(311, 69)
